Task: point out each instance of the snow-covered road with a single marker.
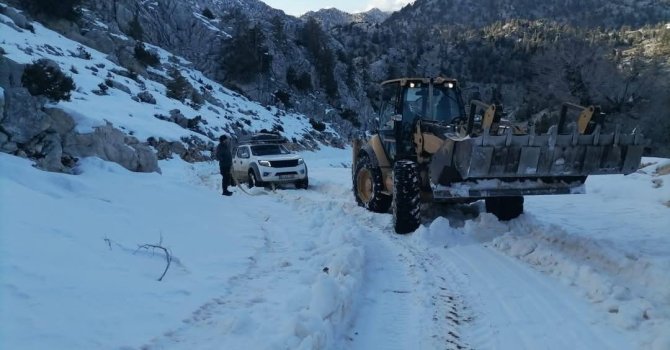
(296, 269)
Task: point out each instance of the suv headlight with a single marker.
(301, 161)
(264, 163)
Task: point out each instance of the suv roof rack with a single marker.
(262, 138)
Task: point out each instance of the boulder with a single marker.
(119, 86)
(6, 145)
(24, 118)
(177, 148)
(178, 118)
(112, 145)
(195, 150)
(61, 122)
(146, 97)
(146, 159)
(99, 40)
(165, 149)
(52, 153)
(9, 147)
(10, 73)
(162, 149)
(18, 18)
(126, 59)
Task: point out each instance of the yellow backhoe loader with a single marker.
(428, 149)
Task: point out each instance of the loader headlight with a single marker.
(264, 163)
(301, 161)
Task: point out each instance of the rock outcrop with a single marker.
(111, 144)
(48, 136)
(23, 118)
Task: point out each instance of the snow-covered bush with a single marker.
(146, 58)
(45, 78)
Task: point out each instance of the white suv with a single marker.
(263, 163)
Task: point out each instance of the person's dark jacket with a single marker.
(223, 156)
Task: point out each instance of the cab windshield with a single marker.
(267, 150)
(442, 107)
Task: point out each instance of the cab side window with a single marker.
(446, 103)
(243, 152)
(415, 102)
(389, 106)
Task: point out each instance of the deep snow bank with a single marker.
(612, 245)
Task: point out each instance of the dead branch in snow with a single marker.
(153, 247)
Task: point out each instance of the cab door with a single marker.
(389, 114)
(241, 162)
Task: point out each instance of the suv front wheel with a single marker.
(252, 180)
(302, 184)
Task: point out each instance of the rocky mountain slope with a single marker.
(610, 14)
(332, 17)
(532, 56)
(134, 106)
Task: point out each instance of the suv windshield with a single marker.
(266, 150)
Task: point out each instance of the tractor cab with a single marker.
(408, 100)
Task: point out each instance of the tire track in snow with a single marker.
(406, 302)
(306, 250)
(400, 304)
(513, 305)
(401, 299)
(449, 310)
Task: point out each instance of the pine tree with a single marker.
(146, 58)
(135, 30)
(278, 29)
(66, 9)
(178, 87)
(315, 40)
(247, 55)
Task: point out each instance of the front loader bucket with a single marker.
(547, 155)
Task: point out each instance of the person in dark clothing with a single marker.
(225, 163)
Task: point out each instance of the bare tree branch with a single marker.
(168, 254)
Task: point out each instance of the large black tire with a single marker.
(302, 184)
(406, 197)
(505, 208)
(368, 186)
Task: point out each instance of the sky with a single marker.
(299, 7)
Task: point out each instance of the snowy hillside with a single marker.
(109, 93)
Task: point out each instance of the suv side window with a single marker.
(243, 152)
